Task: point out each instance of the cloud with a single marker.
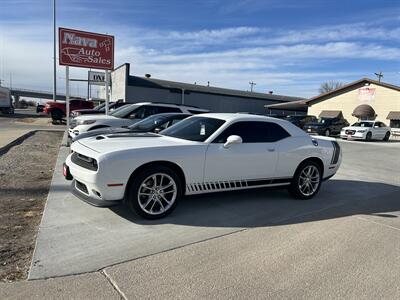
(291, 62)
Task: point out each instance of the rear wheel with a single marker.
(368, 136)
(154, 192)
(387, 136)
(306, 181)
(56, 115)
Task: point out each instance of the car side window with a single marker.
(254, 132)
(164, 109)
(138, 113)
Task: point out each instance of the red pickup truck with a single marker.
(57, 110)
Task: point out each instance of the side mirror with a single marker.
(132, 116)
(232, 140)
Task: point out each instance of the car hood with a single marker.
(95, 117)
(101, 131)
(130, 140)
(356, 128)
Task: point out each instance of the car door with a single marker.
(254, 158)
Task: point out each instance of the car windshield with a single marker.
(100, 106)
(194, 129)
(363, 124)
(123, 110)
(322, 120)
(148, 123)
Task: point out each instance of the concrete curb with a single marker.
(60, 159)
(17, 141)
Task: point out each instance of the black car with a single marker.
(326, 126)
(154, 123)
(300, 120)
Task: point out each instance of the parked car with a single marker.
(128, 115)
(201, 154)
(366, 130)
(99, 109)
(326, 126)
(6, 106)
(154, 123)
(57, 109)
(300, 120)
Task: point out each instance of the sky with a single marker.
(286, 46)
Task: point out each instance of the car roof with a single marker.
(237, 116)
(189, 107)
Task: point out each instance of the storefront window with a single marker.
(395, 123)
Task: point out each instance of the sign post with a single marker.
(67, 94)
(107, 92)
(86, 50)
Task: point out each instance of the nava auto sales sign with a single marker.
(85, 49)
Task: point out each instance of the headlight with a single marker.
(362, 131)
(86, 122)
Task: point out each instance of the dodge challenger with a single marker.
(210, 152)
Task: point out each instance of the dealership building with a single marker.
(364, 99)
(135, 89)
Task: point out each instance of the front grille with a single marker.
(84, 161)
(350, 132)
(81, 186)
(336, 153)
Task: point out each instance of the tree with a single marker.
(329, 86)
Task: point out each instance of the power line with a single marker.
(379, 75)
(251, 85)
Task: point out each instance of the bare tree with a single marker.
(328, 86)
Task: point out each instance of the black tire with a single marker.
(56, 115)
(368, 137)
(134, 201)
(387, 136)
(327, 132)
(294, 188)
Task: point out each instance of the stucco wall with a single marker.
(383, 101)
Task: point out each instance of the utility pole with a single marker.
(251, 85)
(54, 53)
(379, 75)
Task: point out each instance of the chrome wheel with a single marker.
(157, 193)
(309, 180)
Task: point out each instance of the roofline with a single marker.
(322, 97)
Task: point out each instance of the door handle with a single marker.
(271, 149)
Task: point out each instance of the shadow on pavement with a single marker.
(266, 207)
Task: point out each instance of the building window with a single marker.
(395, 123)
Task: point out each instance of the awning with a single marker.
(393, 115)
(331, 114)
(364, 111)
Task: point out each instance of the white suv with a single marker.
(127, 115)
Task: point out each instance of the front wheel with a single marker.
(387, 136)
(154, 192)
(306, 181)
(368, 137)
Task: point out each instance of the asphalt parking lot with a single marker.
(345, 242)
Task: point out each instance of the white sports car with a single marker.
(201, 154)
(366, 130)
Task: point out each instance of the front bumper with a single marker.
(93, 200)
(355, 136)
(92, 187)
